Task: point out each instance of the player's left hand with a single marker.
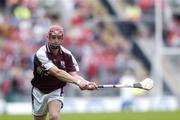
(91, 86)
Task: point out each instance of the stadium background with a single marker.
(127, 39)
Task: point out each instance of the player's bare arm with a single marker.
(62, 75)
(72, 78)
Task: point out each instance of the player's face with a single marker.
(55, 40)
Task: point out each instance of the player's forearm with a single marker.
(80, 78)
(64, 76)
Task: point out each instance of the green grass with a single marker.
(106, 116)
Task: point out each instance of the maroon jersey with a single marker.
(44, 60)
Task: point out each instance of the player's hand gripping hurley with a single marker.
(145, 84)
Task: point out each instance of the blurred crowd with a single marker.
(172, 31)
(102, 52)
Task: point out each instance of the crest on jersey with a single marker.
(63, 65)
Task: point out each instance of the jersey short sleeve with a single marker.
(71, 63)
(42, 57)
(73, 66)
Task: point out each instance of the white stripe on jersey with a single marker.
(42, 57)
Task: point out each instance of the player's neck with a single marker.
(55, 51)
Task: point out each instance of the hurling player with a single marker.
(54, 66)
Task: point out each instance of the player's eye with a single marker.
(59, 37)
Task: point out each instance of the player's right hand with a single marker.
(82, 84)
(91, 86)
(86, 85)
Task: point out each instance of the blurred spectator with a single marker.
(132, 14)
(2, 4)
(145, 5)
(173, 37)
(14, 94)
(127, 94)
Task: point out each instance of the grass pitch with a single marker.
(106, 116)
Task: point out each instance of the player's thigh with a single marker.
(39, 103)
(40, 117)
(54, 106)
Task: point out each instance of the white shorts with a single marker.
(40, 100)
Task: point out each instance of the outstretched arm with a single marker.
(61, 74)
(72, 77)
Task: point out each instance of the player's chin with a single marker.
(54, 46)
